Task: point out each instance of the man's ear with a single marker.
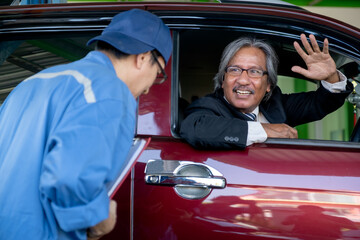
(268, 88)
(141, 59)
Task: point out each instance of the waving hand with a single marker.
(320, 65)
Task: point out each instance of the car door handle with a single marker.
(211, 182)
(190, 180)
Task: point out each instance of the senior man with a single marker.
(247, 106)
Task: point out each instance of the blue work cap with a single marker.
(137, 31)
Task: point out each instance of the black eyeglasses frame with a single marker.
(159, 80)
(246, 70)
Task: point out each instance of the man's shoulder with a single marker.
(207, 98)
(208, 101)
(213, 104)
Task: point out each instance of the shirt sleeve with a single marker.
(338, 86)
(256, 133)
(83, 153)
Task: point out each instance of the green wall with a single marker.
(336, 126)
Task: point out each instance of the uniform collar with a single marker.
(101, 58)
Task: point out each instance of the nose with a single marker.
(243, 78)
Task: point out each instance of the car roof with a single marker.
(35, 14)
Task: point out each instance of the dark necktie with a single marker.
(252, 116)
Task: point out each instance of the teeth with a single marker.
(242, 92)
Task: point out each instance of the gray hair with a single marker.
(232, 48)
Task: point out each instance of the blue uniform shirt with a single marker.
(64, 133)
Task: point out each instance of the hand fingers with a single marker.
(293, 133)
(306, 44)
(314, 43)
(105, 226)
(310, 49)
(299, 50)
(281, 130)
(113, 206)
(112, 215)
(289, 132)
(300, 70)
(326, 46)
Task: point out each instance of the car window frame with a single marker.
(175, 121)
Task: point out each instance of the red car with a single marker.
(306, 188)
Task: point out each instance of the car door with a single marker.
(271, 190)
(280, 189)
(292, 189)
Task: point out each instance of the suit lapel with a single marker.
(220, 95)
(273, 109)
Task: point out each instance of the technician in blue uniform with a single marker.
(65, 132)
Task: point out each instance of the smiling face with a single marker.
(244, 92)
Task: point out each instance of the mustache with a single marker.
(242, 88)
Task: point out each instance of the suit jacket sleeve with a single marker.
(210, 124)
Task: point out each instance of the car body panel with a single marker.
(155, 109)
(269, 194)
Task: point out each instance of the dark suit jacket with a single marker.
(211, 122)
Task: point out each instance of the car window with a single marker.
(197, 63)
(199, 57)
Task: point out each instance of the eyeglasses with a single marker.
(252, 72)
(161, 77)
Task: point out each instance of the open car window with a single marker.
(199, 58)
(196, 64)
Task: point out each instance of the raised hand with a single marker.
(320, 65)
